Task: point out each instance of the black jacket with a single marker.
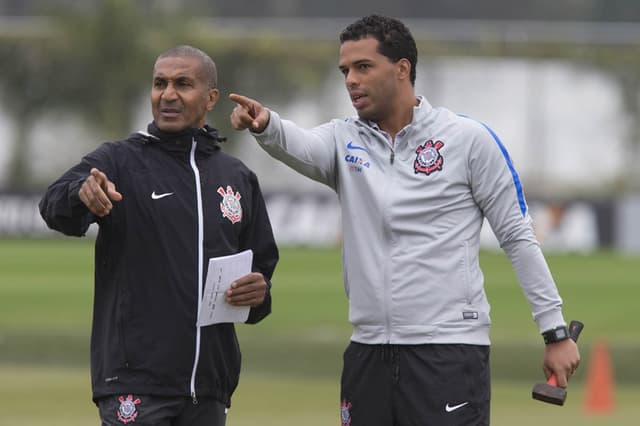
(147, 273)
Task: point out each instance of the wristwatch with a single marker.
(557, 334)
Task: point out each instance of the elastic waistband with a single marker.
(417, 334)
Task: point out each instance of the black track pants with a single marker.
(415, 385)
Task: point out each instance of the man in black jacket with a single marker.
(166, 200)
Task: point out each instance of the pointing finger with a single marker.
(248, 113)
(251, 106)
(106, 185)
(100, 177)
(240, 100)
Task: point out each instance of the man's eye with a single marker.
(363, 66)
(158, 84)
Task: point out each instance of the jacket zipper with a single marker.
(388, 274)
(196, 172)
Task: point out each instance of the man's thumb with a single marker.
(113, 194)
(116, 196)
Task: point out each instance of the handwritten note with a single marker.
(222, 271)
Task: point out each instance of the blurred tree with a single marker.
(95, 56)
(96, 64)
(25, 87)
(108, 56)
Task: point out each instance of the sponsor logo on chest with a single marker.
(356, 158)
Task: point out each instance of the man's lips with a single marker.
(169, 112)
(358, 99)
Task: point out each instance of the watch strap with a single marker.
(557, 334)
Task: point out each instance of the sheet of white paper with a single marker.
(221, 273)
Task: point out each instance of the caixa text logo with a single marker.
(355, 163)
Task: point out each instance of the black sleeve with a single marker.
(61, 207)
(259, 238)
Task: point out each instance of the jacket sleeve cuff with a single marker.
(267, 134)
(258, 313)
(550, 320)
(76, 205)
(74, 193)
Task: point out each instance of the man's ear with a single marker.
(404, 69)
(214, 95)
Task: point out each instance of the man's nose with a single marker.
(350, 79)
(169, 93)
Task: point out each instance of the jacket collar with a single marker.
(207, 138)
(420, 113)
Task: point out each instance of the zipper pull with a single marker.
(194, 398)
(392, 156)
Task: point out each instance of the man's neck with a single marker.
(402, 116)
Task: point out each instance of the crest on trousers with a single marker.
(428, 157)
(345, 413)
(230, 205)
(127, 411)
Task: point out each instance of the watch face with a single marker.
(561, 333)
(556, 335)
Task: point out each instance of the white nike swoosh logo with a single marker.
(158, 196)
(449, 408)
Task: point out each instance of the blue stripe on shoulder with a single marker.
(512, 169)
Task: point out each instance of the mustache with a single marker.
(173, 107)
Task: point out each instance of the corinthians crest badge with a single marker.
(428, 157)
(127, 411)
(345, 413)
(230, 205)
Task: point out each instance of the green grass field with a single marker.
(292, 361)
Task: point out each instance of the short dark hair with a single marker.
(208, 66)
(394, 38)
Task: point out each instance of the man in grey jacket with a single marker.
(415, 184)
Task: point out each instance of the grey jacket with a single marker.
(411, 217)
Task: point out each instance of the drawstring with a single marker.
(396, 364)
(391, 354)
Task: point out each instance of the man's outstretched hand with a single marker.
(248, 114)
(98, 192)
